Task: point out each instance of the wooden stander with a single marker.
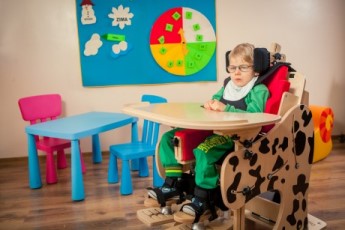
(278, 161)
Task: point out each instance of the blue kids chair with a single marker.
(136, 150)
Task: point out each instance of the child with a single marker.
(238, 94)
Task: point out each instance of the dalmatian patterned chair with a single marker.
(279, 161)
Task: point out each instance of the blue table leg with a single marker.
(96, 149)
(34, 167)
(76, 173)
(134, 138)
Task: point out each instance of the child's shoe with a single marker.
(170, 191)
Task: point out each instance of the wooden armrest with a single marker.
(288, 101)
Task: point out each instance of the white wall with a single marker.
(39, 54)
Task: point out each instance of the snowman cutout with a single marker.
(87, 13)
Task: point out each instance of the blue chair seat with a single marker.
(131, 151)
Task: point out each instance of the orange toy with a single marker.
(323, 125)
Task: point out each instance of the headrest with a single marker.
(263, 59)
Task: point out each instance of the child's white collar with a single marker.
(235, 93)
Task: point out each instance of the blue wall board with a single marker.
(131, 42)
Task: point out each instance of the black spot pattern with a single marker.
(296, 126)
(278, 164)
(300, 142)
(306, 223)
(234, 162)
(304, 205)
(299, 224)
(259, 180)
(233, 187)
(264, 149)
(291, 218)
(253, 160)
(301, 186)
(285, 144)
(307, 117)
(274, 146)
(311, 152)
(270, 185)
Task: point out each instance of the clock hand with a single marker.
(183, 42)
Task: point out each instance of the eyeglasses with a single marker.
(242, 68)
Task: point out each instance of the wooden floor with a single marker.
(104, 208)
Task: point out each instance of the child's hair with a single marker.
(244, 50)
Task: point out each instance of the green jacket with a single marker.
(255, 100)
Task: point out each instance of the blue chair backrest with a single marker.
(151, 129)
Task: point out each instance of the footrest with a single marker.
(315, 223)
(184, 218)
(220, 223)
(153, 217)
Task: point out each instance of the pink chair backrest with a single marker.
(40, 107)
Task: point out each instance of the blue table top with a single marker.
(79, 126)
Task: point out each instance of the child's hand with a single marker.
(214, 105)
(207, 104)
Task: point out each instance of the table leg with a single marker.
(134, 138)
(96, 149)
(34, 167)
(76, 173)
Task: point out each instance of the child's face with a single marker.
(238, 77)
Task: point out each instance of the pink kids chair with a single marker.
(41, 108)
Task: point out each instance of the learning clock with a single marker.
(182, 41)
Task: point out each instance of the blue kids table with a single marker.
(74, 128)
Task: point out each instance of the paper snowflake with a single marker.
(121, 16)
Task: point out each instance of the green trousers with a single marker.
(206, 155)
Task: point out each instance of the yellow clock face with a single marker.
(182, 41)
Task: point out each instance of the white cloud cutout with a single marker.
(122, 46)
(92, 46)
(120, 49)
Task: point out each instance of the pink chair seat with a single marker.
(52, 144)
